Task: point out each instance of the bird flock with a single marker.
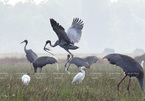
(66, 40)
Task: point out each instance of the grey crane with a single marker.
(91, 59)
(79, 62)
(67, 40)
(43, 61)
(30, 54)
(131, 68)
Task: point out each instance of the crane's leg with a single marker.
(40, 70)
(120, 82)
(129, 84)
(31, 66)
(68, 59)
(35, 70)
(68, 62)
(57, 67)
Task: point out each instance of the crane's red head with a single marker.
(48, 41)
(47, 49)
(26, 41)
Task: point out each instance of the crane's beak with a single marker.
(49, 52)
(47, 49)
(22, 42)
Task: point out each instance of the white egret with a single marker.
(142, 62)
(80, 76)
(26, 79)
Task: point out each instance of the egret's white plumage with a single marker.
(80, 76)
(142, 62)
(25, 79)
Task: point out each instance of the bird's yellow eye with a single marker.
(87, 68)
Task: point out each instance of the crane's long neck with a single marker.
(56, 43)
(25, 47)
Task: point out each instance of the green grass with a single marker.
(98, 84)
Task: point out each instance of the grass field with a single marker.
(100, 83)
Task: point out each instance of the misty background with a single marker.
(114, 24)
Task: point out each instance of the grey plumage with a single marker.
(87, 61)
(43, 61)
(91, 59)
(30, 54)
(67, 40)
(79, 62)
(131, 67)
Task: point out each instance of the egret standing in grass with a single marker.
(26, 79)
(80, 76)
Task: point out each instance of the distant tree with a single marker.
(108, 50)
(140, 58)
(138, 51)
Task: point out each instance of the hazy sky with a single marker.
(94, 34)
(14, 2)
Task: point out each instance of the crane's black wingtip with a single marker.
(51, 19)
(78, 21)
(54, 23)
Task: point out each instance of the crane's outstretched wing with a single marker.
(60, 31)
(127, 63)
(75, 31)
